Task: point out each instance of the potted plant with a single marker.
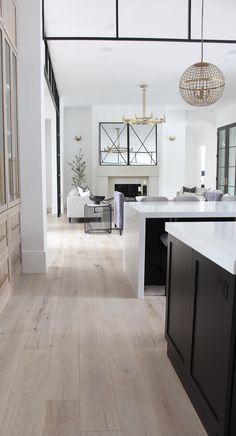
(78, 166)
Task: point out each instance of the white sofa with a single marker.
(75, 204)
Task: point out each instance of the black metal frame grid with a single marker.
(130, 160)
(117, 36)
(226, 166)
(97, 218)
(52, 86)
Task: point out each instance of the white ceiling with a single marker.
(109, 72)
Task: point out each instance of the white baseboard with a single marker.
(34, 261)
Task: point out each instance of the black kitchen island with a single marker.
(201, 318)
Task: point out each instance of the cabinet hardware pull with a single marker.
(14, 262)
(15, 227)
(2, 238)
(3, 280)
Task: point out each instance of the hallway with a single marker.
(79, 356)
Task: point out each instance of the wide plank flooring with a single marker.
(80, 356)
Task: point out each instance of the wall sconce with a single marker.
(78, 138)
(172, 138)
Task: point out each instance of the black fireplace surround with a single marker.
(129, 189)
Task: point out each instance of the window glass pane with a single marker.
(8, 120)
(221, 161)
(232, 136)
(15, 131)
(231, 190)
(2, 153)
(221, 176)
(232, 155)
(221, 138)
(142, 145)
(113, 144)
(231, 176)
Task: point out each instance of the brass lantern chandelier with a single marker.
(202, 84)
(144, 119)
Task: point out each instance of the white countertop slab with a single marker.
(186, 209)
(214, 240)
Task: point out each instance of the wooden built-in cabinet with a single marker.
(10, 232)
(201, 335)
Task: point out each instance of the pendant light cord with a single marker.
(202, 31)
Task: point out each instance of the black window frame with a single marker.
(129, 151)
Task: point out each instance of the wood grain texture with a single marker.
(79, 355)
(63, 378)
(12, 341)
(97, 397)
(25, 410)
(101, 433)
(42, 325)
(62, 418)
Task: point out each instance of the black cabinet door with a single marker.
(211, 339)
(233, 405)
(178, 296)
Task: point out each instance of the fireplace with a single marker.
(129, 190)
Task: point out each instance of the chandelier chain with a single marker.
(202, 18)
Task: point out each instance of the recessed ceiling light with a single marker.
(106, 49)
(232, 52)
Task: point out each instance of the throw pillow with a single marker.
(73, 193)
(80, 190)
(189, 189)
(85, 194)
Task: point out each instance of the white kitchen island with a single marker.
(135, 222)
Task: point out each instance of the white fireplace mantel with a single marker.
(108, 176)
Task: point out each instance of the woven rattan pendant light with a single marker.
(202, 84)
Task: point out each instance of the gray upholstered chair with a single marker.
(214, 195)
(154, 199)
(186, 198)
(228, 198)
(119, 210)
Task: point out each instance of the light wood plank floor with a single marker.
(79, 356)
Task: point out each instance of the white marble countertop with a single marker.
(214, 240)
(184, 209)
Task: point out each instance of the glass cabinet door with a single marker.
(8, 121)
(221, 162)
(15, 157)
(2, 152)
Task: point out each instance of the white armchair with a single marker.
(75, 204)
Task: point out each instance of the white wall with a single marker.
(77, 122)
(48, 146)
(226, 116)
(32, 135)
(202, 134)
(172, 159)
(177, 162)
(51, 147)
(100, 173)
(165, 178)
(201, 131)
(62, 145)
